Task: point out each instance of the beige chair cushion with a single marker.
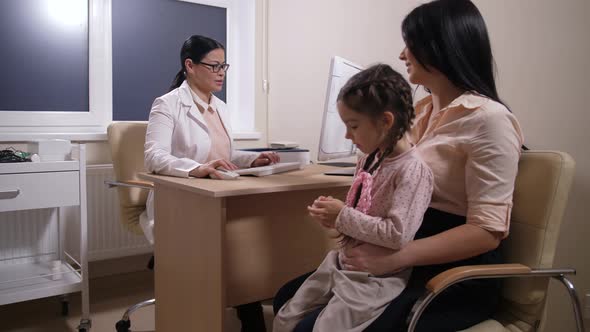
(540, 196)
(488, 326)
(127, 140)
(491, 325)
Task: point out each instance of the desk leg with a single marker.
(190, 290)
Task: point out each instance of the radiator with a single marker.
(32, 235)
(28, 236)
(107, 238)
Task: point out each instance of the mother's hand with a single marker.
(373, 259)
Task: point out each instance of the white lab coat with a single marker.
(177, 141)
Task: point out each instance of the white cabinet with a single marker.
(39, 185)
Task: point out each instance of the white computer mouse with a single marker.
(225, 174)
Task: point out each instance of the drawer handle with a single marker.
(8, 194)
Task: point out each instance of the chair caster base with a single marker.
(85, 325)
(123, 325)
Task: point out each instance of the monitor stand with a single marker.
(339, 164)
(347, 169)
(342, 172)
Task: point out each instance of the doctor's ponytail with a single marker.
(195, 48)
(178, 79)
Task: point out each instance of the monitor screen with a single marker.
(333, 144)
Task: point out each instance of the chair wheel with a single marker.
(123, 325)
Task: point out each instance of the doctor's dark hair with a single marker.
(196, 47)
(376, 90)
(451, 36)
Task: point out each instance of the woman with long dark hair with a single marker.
(471, 141)
(189, 135)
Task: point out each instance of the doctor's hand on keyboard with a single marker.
(210, 169)
(266, 158)
(270, 169)
(224, 174)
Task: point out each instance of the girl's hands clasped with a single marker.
(325, 210)
(211, 168)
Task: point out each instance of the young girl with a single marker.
(384, 206)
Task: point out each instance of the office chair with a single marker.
(126, 140)
(540, 197)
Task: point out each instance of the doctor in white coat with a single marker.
(189, 132)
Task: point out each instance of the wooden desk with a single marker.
(225, 243)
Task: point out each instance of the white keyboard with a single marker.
(269, 169)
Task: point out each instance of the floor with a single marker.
(110, 296)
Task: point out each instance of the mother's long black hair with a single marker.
(451, 36)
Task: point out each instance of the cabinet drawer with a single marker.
(38, 190)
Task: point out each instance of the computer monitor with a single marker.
(333, 144)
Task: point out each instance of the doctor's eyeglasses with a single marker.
(216, 67)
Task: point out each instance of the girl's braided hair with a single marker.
(379, 89)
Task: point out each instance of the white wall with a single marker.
(542, 49)
(303, 36)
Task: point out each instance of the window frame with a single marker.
(99, 83)
(240, 53)
(240, 20)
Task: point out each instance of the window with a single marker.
(72, 52)
(147, 36)
(99, 76)
(44, 56)
(240, 54)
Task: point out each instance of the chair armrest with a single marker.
(451, 276)
(131, 183)
(444, 280)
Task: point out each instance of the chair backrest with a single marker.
(540, 197)
(127, 140)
